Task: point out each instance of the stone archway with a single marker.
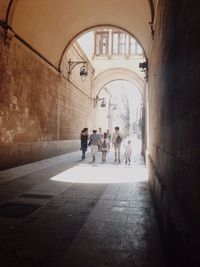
(117, 74)
(39, 24)
(113, 74)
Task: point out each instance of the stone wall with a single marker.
(37, 105)
(174, 151)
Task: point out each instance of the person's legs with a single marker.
(119, 145)
(103, 156)
(84, 149)
(94, 149)
(115, 147)
(93, 152)
(108, 146)
(99, 147)
(83, 154)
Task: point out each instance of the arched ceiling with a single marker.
(50, 25)
(116, 74)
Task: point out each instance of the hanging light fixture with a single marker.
(103, 103)
(143, 66)
(83, 69)
(97, 99)
(83, 72)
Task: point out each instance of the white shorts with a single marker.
(94, 149)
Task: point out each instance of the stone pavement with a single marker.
(64, 212)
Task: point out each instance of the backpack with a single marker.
(118, 139)
(104, 145)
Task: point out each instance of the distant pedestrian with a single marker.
(127, 152)
(84, 141)
(117, 139)
(100, 133)
(94, 143)
(109, 139)
(104, 146)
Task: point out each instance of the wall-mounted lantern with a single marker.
(103, 103)
(143, 66)
(83, 69)
(97, 99)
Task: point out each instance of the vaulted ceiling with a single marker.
(50, 25)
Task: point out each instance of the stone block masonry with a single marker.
(174, 128)
(37, 105)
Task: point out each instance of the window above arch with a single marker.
(114, 42)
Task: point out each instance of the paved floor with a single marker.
(67, 212)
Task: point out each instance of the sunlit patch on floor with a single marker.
(102, 174)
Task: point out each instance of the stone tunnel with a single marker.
(44, 106)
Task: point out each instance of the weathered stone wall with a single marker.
(37, 104)
(174, 151)
(77, 100)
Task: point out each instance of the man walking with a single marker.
(117, 140)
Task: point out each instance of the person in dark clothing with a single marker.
(84, 141)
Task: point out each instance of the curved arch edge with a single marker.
(75, 38)
(113, 74)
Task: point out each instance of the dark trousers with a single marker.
(84, 149)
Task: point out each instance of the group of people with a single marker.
(102, 141)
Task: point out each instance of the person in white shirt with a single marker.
(94, 143)
(127, 152)
(117, 139)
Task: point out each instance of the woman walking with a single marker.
(94, 143)
(84, 141)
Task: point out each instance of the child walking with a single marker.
(127, 152)
(104, 146)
